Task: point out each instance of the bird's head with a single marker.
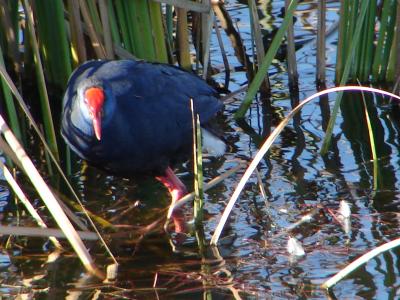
(94, 103)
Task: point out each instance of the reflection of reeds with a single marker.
(270, 140)
(257, 37)
(269, 56)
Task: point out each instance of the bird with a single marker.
(133, 118)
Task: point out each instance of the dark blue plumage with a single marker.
(145, 120)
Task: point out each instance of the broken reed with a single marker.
(197, 169)
(375, 52)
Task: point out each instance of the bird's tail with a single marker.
(212, 144)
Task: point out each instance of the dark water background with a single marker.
(252, 261)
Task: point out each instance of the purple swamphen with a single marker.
(130, 117)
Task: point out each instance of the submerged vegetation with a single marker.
(41, 42)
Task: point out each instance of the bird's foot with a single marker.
(179, 221)
(177, 194)
(174, 185)
(177, 190)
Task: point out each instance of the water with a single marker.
(251, 260)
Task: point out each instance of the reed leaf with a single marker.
(384, 44)
(352, 22)
(53, 40)
(199, 185)
(44, 100)
(183, 39)
(227, 24)
(256, 30)
(105, 21)
(142, 30)
(394, 64)
(224, 56)
(113, 23)
(256, 33)
(345, 75)
(291, 53)
(25, 109)
(159, 34)
(44, 232)
(372, 144)
(198, 168)
(123, 25)
(87, 15)
(169, 23)
(360, 261)
(263, 69)
(391, 66)
(10, 107)
(94, 15)
(8, 37)
(367, 47)
(206, 27)
(354, 71)
(321, 31)
(187, 5)
(78, 49)
(342, 39)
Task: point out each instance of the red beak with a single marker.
(95, 100)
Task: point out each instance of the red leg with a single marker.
(174, 185)
(177, 190)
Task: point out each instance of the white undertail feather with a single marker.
(212, 144)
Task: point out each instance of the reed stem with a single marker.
(45, 104)
(321, 30)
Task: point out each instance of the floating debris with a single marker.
(344, 209)
(294, 247)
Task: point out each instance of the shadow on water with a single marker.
(251, 260)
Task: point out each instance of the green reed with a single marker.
(375, 52)
(349, 56)
(54, 45)
(10, 107)
(198, 169)
(44, 99)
